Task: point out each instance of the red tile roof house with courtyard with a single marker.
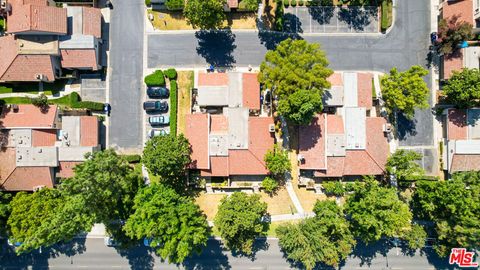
(42, 146)
(464, 9)
(42, 39)
(345, 143)
(233, 143)
(463, 140)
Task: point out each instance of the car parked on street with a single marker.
(160, 106)
(153, 132)
(157, 92)
(110, 242)
(159, 120)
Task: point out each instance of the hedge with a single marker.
(90, 105)
(173, 107)
(171, 73)
(286, 3)
(147, 3)
(385, 9)
(279, 11)
(132, 158)
(157, 78)
(72, 101)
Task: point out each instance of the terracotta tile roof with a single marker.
(8, 53)
(197, 134)
(219, 167)
(452, 63)
(312, 144)
(359, 162)
(377, 143)
(457, 128)
(36, 18)
(33, 2)
(251, 91)
(250, 162)
(335, 79)
(92, 22)
(26, 68)
(28, 116)
(463, 8)
(79, 58)
(89, 131)
(232, 3)
(218, 124)
(212, 79)
(46, 137)
(463, 163)
(65, 169)
(21, 179)
(365, 90)
(335, 124)
(335, 168)
(7, 163)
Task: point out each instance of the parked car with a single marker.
(159, 120)
(107, 108)
(110, 242)
(152, 133)
(157, 92)
(161, 106)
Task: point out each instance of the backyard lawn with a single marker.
(185, 81)
(174, 20)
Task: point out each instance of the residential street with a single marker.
(126, 65)
(405, 45)
(95, 255)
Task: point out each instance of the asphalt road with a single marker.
(126, 69)
(93, 254)
(404, 46)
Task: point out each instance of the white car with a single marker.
(155, 132)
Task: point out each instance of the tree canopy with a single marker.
(277, 161)
(452, 32)
(454, 205)
(168, 156)
(4, 211)
(106, 184)
(297, 71)
(463, 88)
(325, 238)
(405, 91)
(239, 220)
(403, 165)
(250, 4)
(44, 218)
(377, 211)
(174, 224)
(205, 14)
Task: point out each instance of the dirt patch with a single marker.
(209, 203)
(279, 203)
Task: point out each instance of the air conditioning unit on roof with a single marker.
(271, 128)
(387, 128)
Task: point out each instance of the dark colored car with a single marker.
(160, 106)
(107, 108)
(157, 92)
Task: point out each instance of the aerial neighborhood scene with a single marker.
(239, 134)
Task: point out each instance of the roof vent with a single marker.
(40, 77)
(387, 128)
(15, 108)
(271, 128)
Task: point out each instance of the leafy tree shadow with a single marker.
(139, 257)
(259, 244)
(270, 39)
(322, 15)
(211, 257)
(405, 127)
(216, 47)
(357, 18)
(366, 253)
(291, 23)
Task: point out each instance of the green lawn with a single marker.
(49, 89)
(71, 101)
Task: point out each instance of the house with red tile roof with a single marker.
(466, 11)
(43, 146)
(346, 140)
(462, 142)
(43, 39)
(229, 135)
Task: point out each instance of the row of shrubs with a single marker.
(307, 3)
(173, 106)
(386, 10)
(132, 158)
(77, 103)
(157, 78)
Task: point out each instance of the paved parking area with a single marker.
(331, 20)
(148, 127)
(93, 88)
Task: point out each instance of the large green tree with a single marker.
(454, 205)
(403, 165)
(239, 220)
(405, 91)
(277, 161)
(377, 211)
(463, 88)
(326, 238)
(452, 32)
(250, 4)
(44, 218)
(4, 211)
(106, 185)
(175, 225)
(205, 14)
(168, 157)
(297, 71)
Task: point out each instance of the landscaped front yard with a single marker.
(49, 89)
(185, 81)
(279, 203)
(174, 20)
(209, 203)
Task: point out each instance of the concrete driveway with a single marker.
(331, 20)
